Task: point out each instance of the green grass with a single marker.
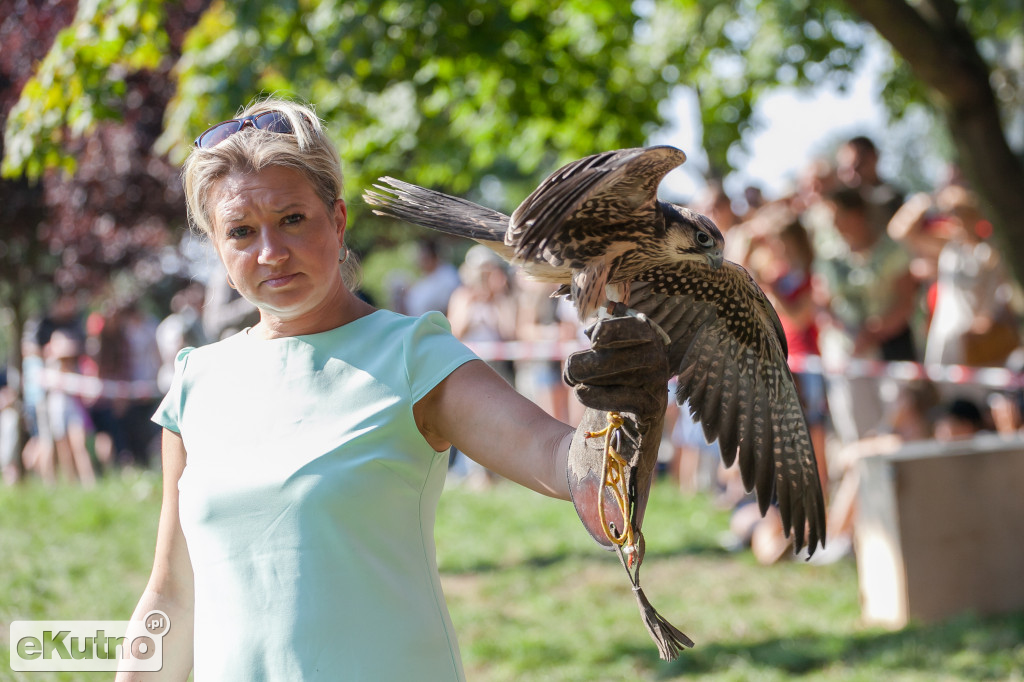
(531, 596)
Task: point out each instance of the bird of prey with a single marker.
(596, 227)
(594, 222)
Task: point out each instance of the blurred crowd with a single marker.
(92, 374)
(862, 275)
(856, 270)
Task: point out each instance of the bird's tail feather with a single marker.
(438, 211)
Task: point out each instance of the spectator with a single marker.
(537, 320)
(809, 202)
(857, 168)
(10, 422)
(38, 448)
(924, 232)
(482, 308)
(958, 419)
(973, 322)
(65, 314)
(438, 280)
(1007, 406)
(225, 312)
(69, 423)
(143, 362)
(753, 196)
(396, 287)
(182, 328)
(868, 295)
(782, 262)
(109, 350)
(1007, 410)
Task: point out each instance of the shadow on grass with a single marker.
(540, 561)
(970, 647)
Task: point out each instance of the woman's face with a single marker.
(279, 242)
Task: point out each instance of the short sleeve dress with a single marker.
(308, 502)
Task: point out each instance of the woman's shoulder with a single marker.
(210, 352)
(393, 322)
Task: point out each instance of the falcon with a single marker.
(597, 228)
(594, 222)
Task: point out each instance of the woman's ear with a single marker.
(340, 219)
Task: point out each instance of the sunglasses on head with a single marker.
(271, 121)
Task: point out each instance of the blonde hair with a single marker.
(307, 150)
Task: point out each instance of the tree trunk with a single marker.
(942, 53)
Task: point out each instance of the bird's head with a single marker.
(692, 236)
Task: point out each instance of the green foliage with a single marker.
(441, 93)
(445, 93)
(731, 53)
(81, 81)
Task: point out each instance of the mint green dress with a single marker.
(308, 502)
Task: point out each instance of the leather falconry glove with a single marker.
(623, 381)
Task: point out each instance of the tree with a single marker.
(937, 46)
(93, 200)
(26, 32)
(445, 94)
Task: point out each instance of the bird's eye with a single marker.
(704, 239)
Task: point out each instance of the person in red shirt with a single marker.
(780, 259)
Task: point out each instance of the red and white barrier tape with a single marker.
(91, 388)
(992, 377)
(524, 350)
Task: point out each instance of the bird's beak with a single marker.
(715, 259)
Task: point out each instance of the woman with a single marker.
(303, 457)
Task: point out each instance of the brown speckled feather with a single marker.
(728, 346)
(592, 223)
(615, 190)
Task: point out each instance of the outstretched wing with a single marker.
(730, 355)
(582, 208)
